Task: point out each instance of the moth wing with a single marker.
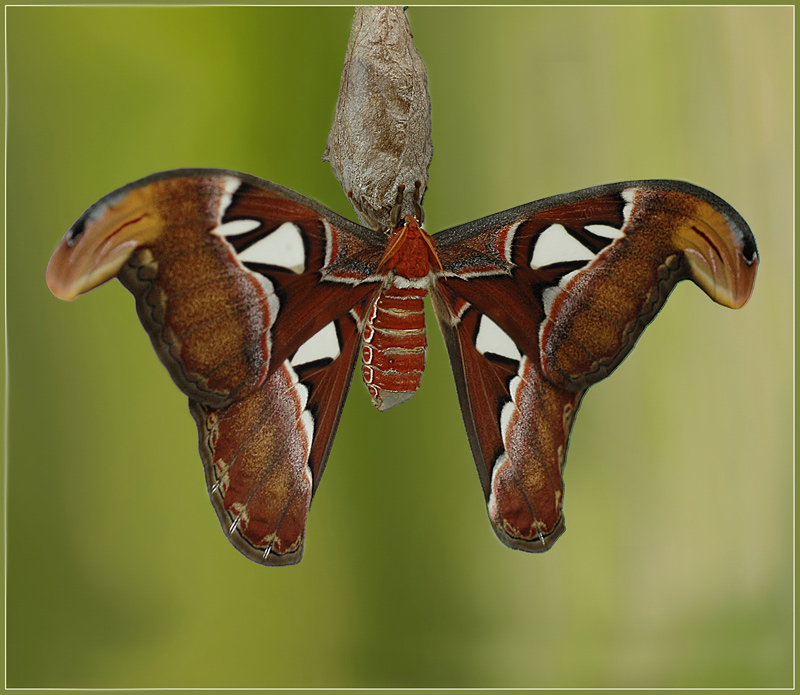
(540, 302)
(246, 290)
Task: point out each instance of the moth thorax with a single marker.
(393, 351)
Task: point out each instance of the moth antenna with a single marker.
(394, 246)
(397, 208)
(419, 213)
(432, 246)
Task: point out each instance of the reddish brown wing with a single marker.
(245, 289)
(517, 423)
(264, 454)
(539, 302)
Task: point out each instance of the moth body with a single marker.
(394, 337)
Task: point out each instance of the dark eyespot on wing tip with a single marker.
(741, 229)
(736, 222)
(749, 250)
(77, 229)
(96, 210)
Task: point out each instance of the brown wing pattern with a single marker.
(517, 422)
(538, 303)
(264, 455)
(245, 289)
(254, 298)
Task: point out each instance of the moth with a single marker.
(259, 300)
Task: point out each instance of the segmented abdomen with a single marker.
(393, 352)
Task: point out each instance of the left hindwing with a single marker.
(264, 455)
(539, 302)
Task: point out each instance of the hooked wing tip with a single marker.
(723, 260)
(102, 240)
(717, 243)
(74, 271)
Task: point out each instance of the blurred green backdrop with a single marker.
(676, 569)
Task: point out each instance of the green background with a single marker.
(676, 569)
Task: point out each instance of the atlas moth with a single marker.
(259, 301)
